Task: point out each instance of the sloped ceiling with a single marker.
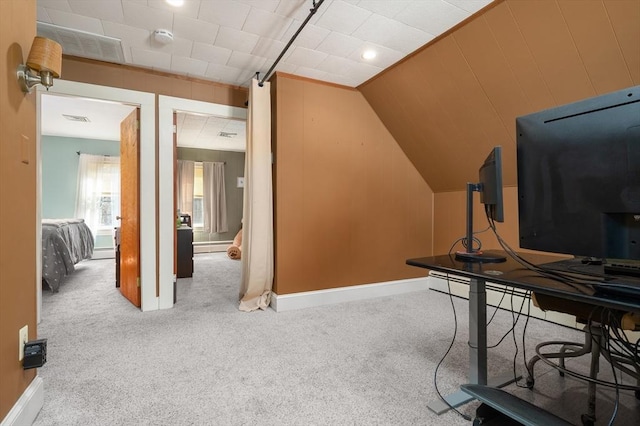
(450, 103)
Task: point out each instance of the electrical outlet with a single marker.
(23, 337)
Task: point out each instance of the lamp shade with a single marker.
(45, 55)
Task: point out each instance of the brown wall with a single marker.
(350, 208)
(127, 77)
(17, 200)
(451, 102)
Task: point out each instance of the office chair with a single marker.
(598, 323)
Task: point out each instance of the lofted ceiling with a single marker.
(228, 41)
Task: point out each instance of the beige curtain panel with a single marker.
(257, 244)
(185, 186)
(214, 198)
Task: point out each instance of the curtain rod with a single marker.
(312, 11)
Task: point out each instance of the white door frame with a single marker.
(146, 102)
(167, 105)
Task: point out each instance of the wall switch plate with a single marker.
(23, 337)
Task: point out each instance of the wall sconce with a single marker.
(43, 64)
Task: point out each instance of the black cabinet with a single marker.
(185, 252)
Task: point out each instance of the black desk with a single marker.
(513, 274)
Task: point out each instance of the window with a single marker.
(98, 196)
(198, 206)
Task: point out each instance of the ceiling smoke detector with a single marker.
(163, 36)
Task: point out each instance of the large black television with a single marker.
(579, 180)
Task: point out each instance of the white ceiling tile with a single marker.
(306, 57)
(363, 72)
(189, 9)
(223, 72)
(131, 36)
(106, 10)
(311, 73)
(296, 9)
(179, 46)
(442, 15)
(210, 53)
(385, 7)
(42, 15)
(150, 58)
(246, 61)
(233, 39)
(224, 12)
(266, 24)
(343, 17)
(393, 34)
(194, 29)
(310, 36)
(471, 6)
(339, 44)
(55, 4)
(268, 5)
(190, 66)
(268, 48)
(335, 65)
(79, 22)
(147, 17)
(286, 67)
(384, 56)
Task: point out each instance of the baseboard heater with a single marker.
(210, 246)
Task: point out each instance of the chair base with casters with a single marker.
(595, 344)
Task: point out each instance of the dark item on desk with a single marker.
(185, 220)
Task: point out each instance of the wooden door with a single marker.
(130, 208)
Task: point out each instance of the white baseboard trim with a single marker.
(26, 409)
(103, 254)
(211, 247)
(312, 299)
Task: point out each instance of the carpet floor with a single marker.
(206, 363)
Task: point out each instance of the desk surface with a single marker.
(512, 273)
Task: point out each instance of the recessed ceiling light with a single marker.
(176, 3)
(369, 54)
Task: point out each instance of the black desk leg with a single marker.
(477, 351)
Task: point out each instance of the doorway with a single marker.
(146, 104)
(167, 107)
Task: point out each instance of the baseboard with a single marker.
(211, 247)
(103, 254)
(312, 299)
(26, 409)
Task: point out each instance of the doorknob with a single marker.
(118, 217)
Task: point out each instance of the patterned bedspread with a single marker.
(65, 242)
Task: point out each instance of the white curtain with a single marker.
(214, 197)
(185, 186)
(98, 191)
(257, 244)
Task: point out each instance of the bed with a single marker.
(65, 242)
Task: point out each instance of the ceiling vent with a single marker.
(84, 44)
(76, 118)
(227, 134)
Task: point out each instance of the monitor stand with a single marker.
(471, 255)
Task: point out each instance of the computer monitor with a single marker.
(490, 188)
(579, 179)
